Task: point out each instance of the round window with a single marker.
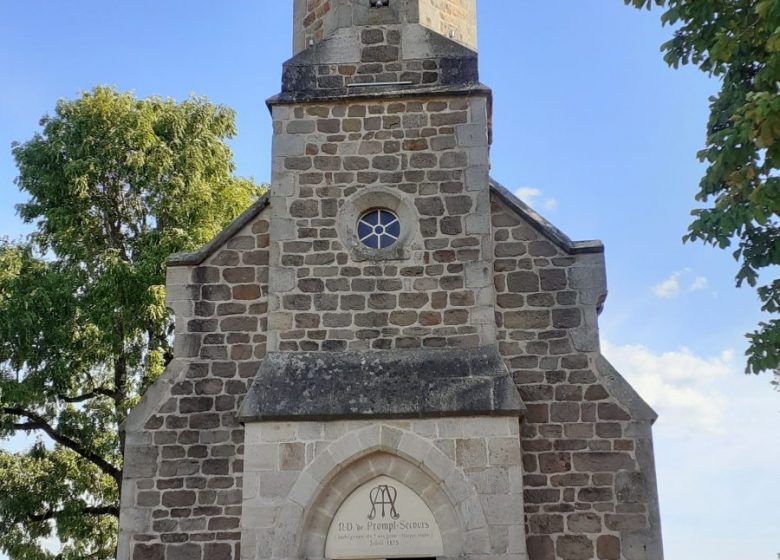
(379, 228)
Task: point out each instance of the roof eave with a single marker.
(542, 225)
(197, 258)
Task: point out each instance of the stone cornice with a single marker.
(427, 383)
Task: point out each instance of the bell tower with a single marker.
(381, 295)
(380, 197)
(315, 20)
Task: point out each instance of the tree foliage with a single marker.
(738, 41)
(115, 185)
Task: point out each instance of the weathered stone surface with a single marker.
(547, 524)
(541, 548)
(631, 487)
(571, 547)
(608, 547)
(602, 462)
(187, 551)
(555, 462)
(381, 384)
(217, 551)
(148, 552)
(584, 523)
(140, 461)
(470, 453)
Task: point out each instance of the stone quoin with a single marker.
(388, 355)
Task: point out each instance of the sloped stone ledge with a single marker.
(542, 225)
(384, 384)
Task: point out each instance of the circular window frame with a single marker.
(378, 198)
(380, 230)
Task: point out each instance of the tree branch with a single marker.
(85, 397)
(37, 422)
(96, 510)
(120, 378)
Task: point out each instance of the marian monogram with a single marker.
(382, 500)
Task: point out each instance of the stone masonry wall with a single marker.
(589, 480)
(379, 59)
(181, 497)
(312, 20)
(431, 154)
(466, 469)
(315, 20)
(455, 19)
(586, 447)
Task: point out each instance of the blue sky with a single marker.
(590, 127)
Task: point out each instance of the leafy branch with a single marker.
(89, 510)
(37, 422)
(738, 42)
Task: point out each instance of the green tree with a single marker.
(737, 41)
(115, 185)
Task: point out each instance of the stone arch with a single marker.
(359, 456)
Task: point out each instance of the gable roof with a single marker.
(543, 226)
(196, 258)
(526, 212)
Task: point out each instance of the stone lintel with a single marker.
(427, 383)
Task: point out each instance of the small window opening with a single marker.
(379, 228)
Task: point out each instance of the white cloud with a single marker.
(530, 195)
(669, 288)
(699, 283)
(527, 194)
(678, 384)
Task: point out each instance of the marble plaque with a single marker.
(383, 519)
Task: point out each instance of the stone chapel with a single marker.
(388, 355)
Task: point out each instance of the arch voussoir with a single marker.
(358, 457)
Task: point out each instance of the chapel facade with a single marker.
(388, 355)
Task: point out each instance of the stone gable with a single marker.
(181, 496)
(585, 440)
